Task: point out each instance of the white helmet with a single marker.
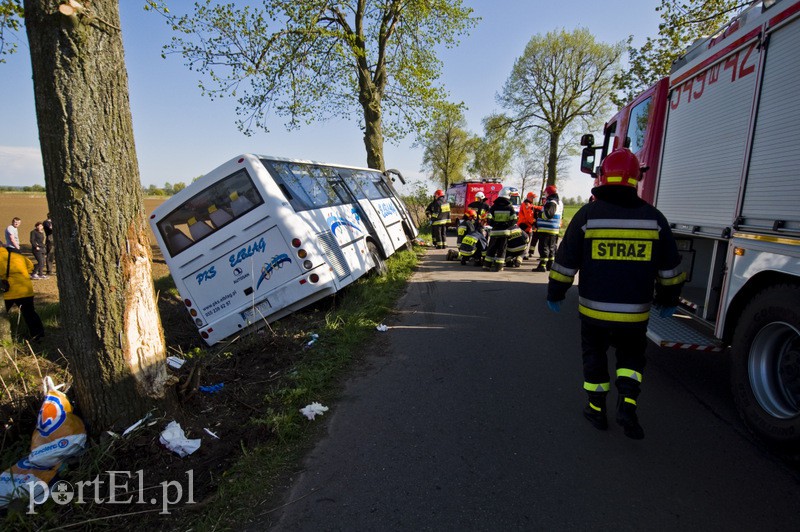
(480, 195)
(507, 192)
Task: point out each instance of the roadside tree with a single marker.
(493, 153)
(115, 344)
(562, 82)
(447, 146)
(318, 59)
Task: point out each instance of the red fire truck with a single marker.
(463, 193)
(718, 138)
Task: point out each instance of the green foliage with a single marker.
(10, 18)
(447, 145)
(33, 188)
(682, 22)
(493, 153)
(315, 60)
(563, 82)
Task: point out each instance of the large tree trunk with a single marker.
(108, 306)
(369, 96)
(552, 158)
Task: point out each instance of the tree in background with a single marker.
(494, 152)
(319, 59)
(10, 18)
(447, 145)
(681, 24)
(108, 304)
(561, 82)
(532, 160)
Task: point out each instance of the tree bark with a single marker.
(108, 306)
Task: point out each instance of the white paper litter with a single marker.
(175, 362)
(174, 439)
(211, 433)
(382, 327)
(310, 411)
(314, 338)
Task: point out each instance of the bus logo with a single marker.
(249, 251)
(335, 222)
(269, 267)
(206, 275)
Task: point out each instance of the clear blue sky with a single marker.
(181, 134)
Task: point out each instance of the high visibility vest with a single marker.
(552, 225)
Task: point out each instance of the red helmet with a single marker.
(531, 196)
(438, 194)
(550, 190)
(620, 167)
(471, 213)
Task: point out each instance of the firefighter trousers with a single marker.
(630, 344)
(548, 244)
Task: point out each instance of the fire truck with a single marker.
(461, 194)
(717, 138)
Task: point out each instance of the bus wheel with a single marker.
(765, 370)
(378, 264)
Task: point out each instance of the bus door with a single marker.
(379, 214)
(398, 203)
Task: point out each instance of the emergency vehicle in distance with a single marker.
(461, 194)
(718, 136)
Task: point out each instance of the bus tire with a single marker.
(765, 368)
(378, 264)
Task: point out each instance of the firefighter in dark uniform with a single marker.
(548, 226)
(438, 212)
(502, 218)
(625, 252)
(480, 207)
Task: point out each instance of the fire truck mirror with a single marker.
(587, 140)
(587, 160)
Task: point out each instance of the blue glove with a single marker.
(667, 312)
(555, 306)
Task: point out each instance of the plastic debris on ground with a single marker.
(382, 327)
(59, 435)
(211, 433)
(420, 242)
(214, 388)
(175, 362)
(312, 410)
(137, 424)
(314, 338)
(174, 439)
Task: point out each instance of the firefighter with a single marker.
(480, 207)
(527, 220)
(624, 249)
(438, 212)
(548, 225)
(502, 217)
(473, 244)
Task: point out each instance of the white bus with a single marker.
(261, 237)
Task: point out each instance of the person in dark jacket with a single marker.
(481, 209)
(438, 212)
(38, 243)
(625, 252)
(502, 218)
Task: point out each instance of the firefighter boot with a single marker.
(595, 411)
(627, 418)
(540, 268)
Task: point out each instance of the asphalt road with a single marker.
(469, 418)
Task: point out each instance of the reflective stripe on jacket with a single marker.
(623, 254)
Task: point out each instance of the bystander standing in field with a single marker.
(17, 269)
(48, 245)
(38, 250)
(12, 234)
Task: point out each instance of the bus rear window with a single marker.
(209, 210)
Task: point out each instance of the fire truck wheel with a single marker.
(765, 366)
(378, 264)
